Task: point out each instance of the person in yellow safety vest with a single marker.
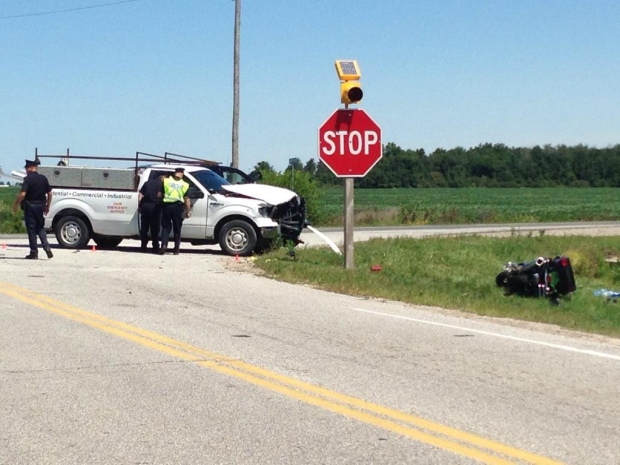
(175, 203)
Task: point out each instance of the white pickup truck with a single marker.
(102, 204)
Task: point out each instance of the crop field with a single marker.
(471, 205)
(389, 207)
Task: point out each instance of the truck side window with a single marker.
(210, 181)
(155, 174)
(234, 175)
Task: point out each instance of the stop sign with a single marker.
(350, 143)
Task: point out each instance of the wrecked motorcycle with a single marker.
(543, 277)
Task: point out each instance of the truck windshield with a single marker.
(210, 180)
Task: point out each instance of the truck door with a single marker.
(195, 227)
(208, 183)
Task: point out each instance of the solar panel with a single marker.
(348, 67)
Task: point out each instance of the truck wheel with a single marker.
(107, 242)
(72, 232)
(238, 237)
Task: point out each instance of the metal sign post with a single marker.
(349, 218)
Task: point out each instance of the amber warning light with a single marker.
(350, 87)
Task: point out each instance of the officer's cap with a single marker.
(179, 170)
(30, 163)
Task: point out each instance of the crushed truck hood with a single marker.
(270, 194)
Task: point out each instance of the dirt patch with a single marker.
(241, 264)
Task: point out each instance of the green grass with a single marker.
(7, 194)
(470, 206)
(10, 223)
(459, 273)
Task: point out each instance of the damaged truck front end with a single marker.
(291, 216)
(280, 205)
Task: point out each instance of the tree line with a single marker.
(487, 165)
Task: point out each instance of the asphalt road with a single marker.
(595, 228)
(123, 357)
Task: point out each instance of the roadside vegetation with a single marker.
(488, 165)
(459, 273)
(10, 223)
(489, 183)
(401, 207)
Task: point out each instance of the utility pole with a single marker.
(235, 122)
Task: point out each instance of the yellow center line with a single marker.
(436, 434)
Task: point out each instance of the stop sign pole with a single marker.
(349, 145)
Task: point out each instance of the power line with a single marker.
(53, 12)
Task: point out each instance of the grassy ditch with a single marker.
(459, 273)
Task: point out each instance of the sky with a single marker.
(156, 76)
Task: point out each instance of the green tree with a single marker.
(260, 170)
(311, 167)
(324, 175)
(305, 186)
(264, 166)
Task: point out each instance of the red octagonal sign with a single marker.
(350, 143)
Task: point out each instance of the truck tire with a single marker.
(107, 242)
(238, 237)
(72, 232)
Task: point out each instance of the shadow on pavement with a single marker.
(123, 249)
(188, 250)
(136, 250)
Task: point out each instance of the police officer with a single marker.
(175, 204)
(149, 206)
(35, 198)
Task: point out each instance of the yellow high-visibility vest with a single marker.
(174, 190)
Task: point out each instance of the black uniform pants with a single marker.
(172, 218)
(150, 220)
(35, 225)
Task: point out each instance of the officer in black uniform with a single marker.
(35, 198)
(149, 206)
